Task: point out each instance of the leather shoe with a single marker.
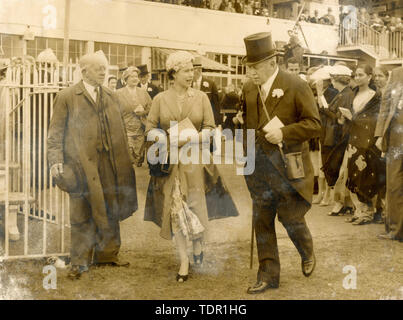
(308, 266)
(117, 263)
(261, 286)
(388, 236)
(76, 272)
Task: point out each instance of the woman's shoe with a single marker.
(181, 278)
(198, 259)
(351, 219)
(337, 209)
(318, 199)
(361, 221)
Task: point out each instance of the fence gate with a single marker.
(34, 213)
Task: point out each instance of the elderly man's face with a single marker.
(293, 68)
(260, 72)
(95, 73)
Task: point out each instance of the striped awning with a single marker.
(160, 55)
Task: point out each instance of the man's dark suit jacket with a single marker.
(296, 108)
(152, 90)
(209, 87)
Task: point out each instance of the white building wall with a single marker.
(152, 24)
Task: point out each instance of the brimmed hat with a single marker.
(47, 55)
(197, 62)
(259, 47)
(70, 180)
(340, 70)
(143, 70)
(129, 71)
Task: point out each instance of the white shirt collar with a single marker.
(269, 82)
(144, 86)
(91, 90)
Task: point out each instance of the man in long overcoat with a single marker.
(272, 190)
(88, 157)
(390, 140)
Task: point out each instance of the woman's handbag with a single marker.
(160, 169)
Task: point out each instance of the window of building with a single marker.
(11, 46)
(76, 48)
(119, 53)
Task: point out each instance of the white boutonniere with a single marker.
(277, 93)
(205, 84)
(149, 89)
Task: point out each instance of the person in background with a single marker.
(315, 18)
(223, 6)
(156, 82)
(363, 16)
(238, 6)
(335, 134)
(120, 82)
(112, 81)
(380, 78)
(330, 19)
(389, 139)
(248, 9)
(304, 16)
(134, 104)
(230, 7)
(293, 49)
(144, 83)
(366, 171)
(207, 86)
(293, 66)
(257, 8)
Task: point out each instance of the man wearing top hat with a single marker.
(207, 86)
(274, 189)
(89, 159)
(145, 83)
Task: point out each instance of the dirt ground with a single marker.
(226, 273)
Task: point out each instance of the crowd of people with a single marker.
(381, 24)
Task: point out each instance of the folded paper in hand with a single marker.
(346, 113)
(183, 125)
(274, 123)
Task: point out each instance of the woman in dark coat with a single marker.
(366, 170)
(335, 134)
(182, 192)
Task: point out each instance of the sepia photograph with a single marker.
(223, 152)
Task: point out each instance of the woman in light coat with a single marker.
(184, 187)
(135, 104)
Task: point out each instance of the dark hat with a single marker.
(197, 62)
(143, 70)
(70, 180)
(259, 47)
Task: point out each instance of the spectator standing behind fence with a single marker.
(248, 9)
(293, 49)
(88, 157)
(315, 18)
(330, 19)
(134, 104)
(390, 140)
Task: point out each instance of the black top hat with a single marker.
(259, 47)
(143, 70)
